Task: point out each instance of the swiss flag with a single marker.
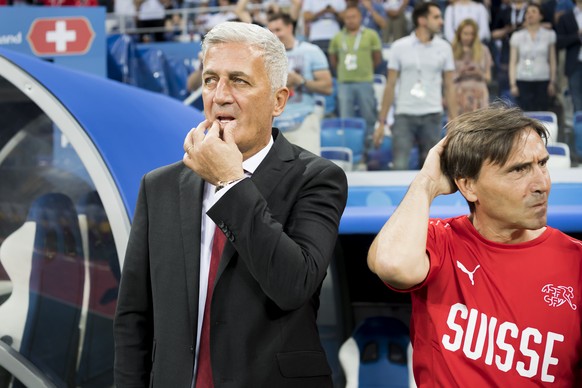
(60, 36)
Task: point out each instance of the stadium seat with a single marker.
(344, 132)
(578, 133)
(550, 120)
(342, 156)
(376, 355)
(381, 158)
(559, 156)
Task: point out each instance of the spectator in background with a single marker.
(554, 9)
(255, 13)
(259, 11)
(354, 52)
(508, 20)
(472, 68)
(422, 63)
(569, 31)
(226, 13)
(532, 62)
(290, 7)
(322, 20)
(125, 13)
(373, 14)
(460, 10)
(308, 75)
(173, 23)
(151, 14)
(396, 26)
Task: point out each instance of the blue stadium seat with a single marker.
(559, 155)
(381, 158)
(342, 156)
(345, 132)
(376, 354)
(550, 120)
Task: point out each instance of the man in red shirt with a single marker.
(495, 293)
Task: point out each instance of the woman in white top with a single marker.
(460, 10)
(532, 62)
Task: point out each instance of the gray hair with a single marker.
(275, 57)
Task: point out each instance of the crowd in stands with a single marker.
(509, 49)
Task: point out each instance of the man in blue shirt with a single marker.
(309, 75)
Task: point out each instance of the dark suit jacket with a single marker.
(568, 38)
(282, 227)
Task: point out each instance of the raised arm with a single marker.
(322, 82)
(241, 11)
(379, 18)
(398, 254)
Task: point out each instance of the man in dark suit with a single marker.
(279, 207)
(569, 31)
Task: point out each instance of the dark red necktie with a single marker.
(204, 374)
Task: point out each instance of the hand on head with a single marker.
(432, 170)
(211, 152)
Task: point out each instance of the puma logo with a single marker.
(469, 273)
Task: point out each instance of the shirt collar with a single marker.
(415, 39)
(251, 164)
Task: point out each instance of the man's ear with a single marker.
(467, 188)
(281, 97)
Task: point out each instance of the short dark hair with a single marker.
(538, 6)
(353, 6)
(422, 9)
(284, 17)
(485, 135)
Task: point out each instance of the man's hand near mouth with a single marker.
(211, 151)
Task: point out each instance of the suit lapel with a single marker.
(191, 193)
(274, 167)
(266, 177)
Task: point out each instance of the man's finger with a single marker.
(228, 133)
(214, 130)
(199, 133)
(188, 141)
